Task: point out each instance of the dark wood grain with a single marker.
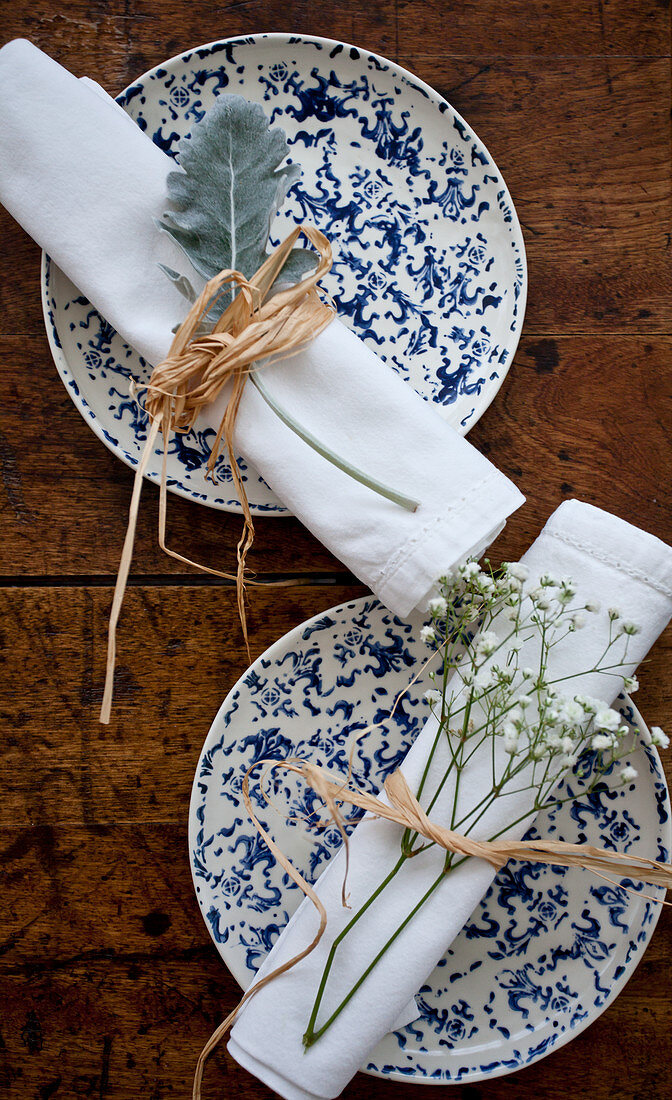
(180, 651)
(583, 144)
(109, 984)
(486, 28)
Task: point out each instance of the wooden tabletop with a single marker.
(109, 983)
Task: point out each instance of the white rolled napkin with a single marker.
(609, 561)
(87, 185)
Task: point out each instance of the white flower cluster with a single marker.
(481, 618)
(656, 736)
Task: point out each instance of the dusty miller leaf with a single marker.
(299, 262)
(229, 189)
(181, 283)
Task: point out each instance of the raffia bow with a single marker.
(198, 367)
(401, 805)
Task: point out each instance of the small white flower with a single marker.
(432, 696)
(567, 746)
(593, 606)
(567, 591)
(437, 607)
(524, 701)
(517, 569)
(528, 674)
(511, 614)
(578, 621)
(553, 739)
(540, 599)
(511, 741)
(589, 705)
(568, 760)
(572, 712)
(659, 738)
(628, 627)
(613, 614)
(607, 719)
(469, 570)
(484, 678)
(628, 773)
(547, 581)
(631, 684)
(601, 741)
(486, 643)
(427, 635)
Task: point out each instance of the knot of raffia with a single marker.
(401, 805)
(252, 332)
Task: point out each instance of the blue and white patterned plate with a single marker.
(430, 263)
(546, 950)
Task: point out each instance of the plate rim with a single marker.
(277, 38)
(501, 1070)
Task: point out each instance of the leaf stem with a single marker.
(340, 463)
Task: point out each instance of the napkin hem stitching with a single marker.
(388, 572)
(616, 563)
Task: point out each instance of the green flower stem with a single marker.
(571, 676)
(341, 463)
(312, 1036)
(408, 839)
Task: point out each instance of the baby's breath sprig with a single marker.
(533, 727)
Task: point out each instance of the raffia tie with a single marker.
(198, 367)
(401, 805)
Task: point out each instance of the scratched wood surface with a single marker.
(109, 984)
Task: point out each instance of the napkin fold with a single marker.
(609, 561)
(87, 184)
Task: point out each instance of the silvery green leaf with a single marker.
(299, 262)
(229, 187)
(181, 283)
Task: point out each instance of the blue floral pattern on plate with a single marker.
(429, 258)
(545, 951)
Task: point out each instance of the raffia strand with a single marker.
(193, 375)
